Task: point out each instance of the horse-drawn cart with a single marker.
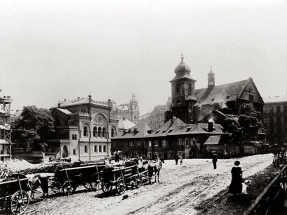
(67, 180)
(13, 194)
(119, 178)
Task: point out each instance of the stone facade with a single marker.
(275, 119)
(83, 129)
(155, 119)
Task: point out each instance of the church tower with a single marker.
(183, 93)
(211, 78)
(134, 109)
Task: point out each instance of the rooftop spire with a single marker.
(210, 68)
(182, 58)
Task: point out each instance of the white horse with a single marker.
(154, 167)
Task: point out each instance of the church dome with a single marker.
(182, 66)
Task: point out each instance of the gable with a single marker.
(250, 92)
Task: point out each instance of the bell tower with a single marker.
(183, 93)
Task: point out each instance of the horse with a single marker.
(154, 168)
(35, 181)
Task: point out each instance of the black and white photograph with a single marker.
(143, 107)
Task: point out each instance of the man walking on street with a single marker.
(176, 157)
(214, 160)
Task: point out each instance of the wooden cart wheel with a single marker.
(139, 181)
(19, 202)
(121, 187)
(67, 188)
(95, 185)
(106, 188)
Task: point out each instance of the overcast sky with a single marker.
(54, 50)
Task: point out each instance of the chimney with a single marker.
(210, 125)
(59, 104)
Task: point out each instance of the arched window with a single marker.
(95, 132)
(104, 132)
(112, 132)
(99, 132)
(189, 89)
(85, 131)
(177, 88)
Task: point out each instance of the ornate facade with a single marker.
(128, 110)
(83, 129)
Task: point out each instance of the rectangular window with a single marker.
(164, 143)
(104, 148)
(156, 143)
(139, 143)
(132, 143)
(86, 149)
(149, 143)
(100, 148)
(74, 151)
(271, 110)
(278, 109)
(74, 137)
(95, 148)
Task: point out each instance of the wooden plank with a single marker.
(251, 208)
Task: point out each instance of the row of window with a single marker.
(97, 149)
(157, 143)
(279, 109)
(183, 90)
(98, 132)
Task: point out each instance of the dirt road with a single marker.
(180, 190)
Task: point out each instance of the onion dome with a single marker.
(211, 74)
(182, 66)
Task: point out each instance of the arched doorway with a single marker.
(65, 152)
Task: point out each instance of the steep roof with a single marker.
(171, 126)
(125, 124)
(65, 111)
(141, 130)
(213, 140)
(221, 93)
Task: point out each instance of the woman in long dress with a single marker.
(236, 181)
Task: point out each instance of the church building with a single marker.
(193, 105)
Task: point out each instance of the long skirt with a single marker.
(235, 186)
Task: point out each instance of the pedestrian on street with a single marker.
(176, 158)
(117, 157)
(214, 160)
(236, 181)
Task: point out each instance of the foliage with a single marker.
(245, 126)
(35, 124)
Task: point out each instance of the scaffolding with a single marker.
(5, 127)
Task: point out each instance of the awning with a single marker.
(213, 140)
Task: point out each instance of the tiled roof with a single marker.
(220, 94)
(65, 111)
(177, 127)
(139, 131)
(275, 99)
